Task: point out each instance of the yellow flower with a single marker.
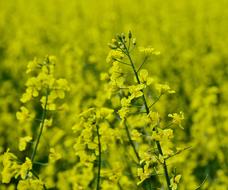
(123, 112)
(92, 145)
(144, 173)
(135, 135)
(10, 167)
(50, 104)
(88, 113)
(30, 184)
(177, 118)
(167, 133)
(113, 55)
(164, 89)
(25, 168)
(23, 115)
(53, 155)
(104, 76)
(112, 174)
(32, 65)
(104, 113)
(156, 136)
(34, 86)
(148, 51)
(61, 87)
(136, 90)
(174, 182)
(23, 142)
(125, 102)
(48, 122)
(144, 78)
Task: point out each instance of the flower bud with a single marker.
(129, 35)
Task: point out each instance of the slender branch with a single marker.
(147, 111)
(178, 152)
(129, 44)
(41, 127)
(205, 179)
(39, 136)
(121, 49)
(138, 81)
(120, 187)
(99, 159)
(133, 146)
(144, 61)
(121, 61)
(36, 175)
(40, 163)
(131, 142)
(158, 98)
(164, 165)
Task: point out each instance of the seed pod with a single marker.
(112, 46)
(134, 41)
(123, 36)
(129, 35)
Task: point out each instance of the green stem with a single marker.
(131, 142)
(99, 159)
(120, 187)
(147, 111)
(34, 173)
(144, 61)
(137, 78)
(158, 98)
(164, 165)
(41, 127)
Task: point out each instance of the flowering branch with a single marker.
(41, 127)
(147, 112)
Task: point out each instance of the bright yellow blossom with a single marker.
(23, 142)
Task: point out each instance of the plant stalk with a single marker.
(99, 159)
(147, 111)
(41, 127)
(131, 142)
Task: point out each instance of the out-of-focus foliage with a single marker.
(192, 38)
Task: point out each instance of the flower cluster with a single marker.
(174, 181)
(43, 82)
(94, 136)
(48, 90)
(12, 168)
(134, 102)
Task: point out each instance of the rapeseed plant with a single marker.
(42, 86)
(152, 135)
